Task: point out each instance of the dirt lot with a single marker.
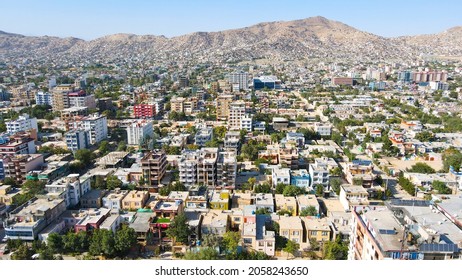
(404, 164)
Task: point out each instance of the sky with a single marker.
(90, 19)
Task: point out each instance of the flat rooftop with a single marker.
(290, 222)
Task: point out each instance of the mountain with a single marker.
(315, 37)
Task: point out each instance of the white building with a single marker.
(113, 200)
(203, 135)
(280, 175)
(96, 125)
(226, 169)
(246, 123)
(240, 79)
(319, 173)
(43, 98)
(323, 129)
(188, 167)
(138, 131)
(82, 101)
(23, 123)
(236, 113)
(71, 188)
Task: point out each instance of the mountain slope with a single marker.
(315, 37)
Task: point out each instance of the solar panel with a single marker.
(418, 203)
(387, 231)
(439, 248)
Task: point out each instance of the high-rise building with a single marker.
(77, 139)
(22, 123)
(236, 113)
(96, 126)
(19, 165)
(154, 165)
(241, 79)
(226, 169)
(139, 130)
(61, 97)
(269, 82)
(223, 102)
(81, 99)
(43, 98)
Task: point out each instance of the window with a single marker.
(285, 232)
(314, 232)
(325, 233)
(261, 243)
(296, 233)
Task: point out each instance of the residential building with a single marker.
(43, 98)
(7, 193)
(361, 171)
(280, 176)
(291, 228)
(317, 229)
(220, 200)
(18, 144)
(19, 165)
(144, 111)
(236, 113)
(240, 78)
(215, 222)
(27, 221)
(207, 167)
(300, 178)
(323, 129)
(351, 196)
(113, 200)
(154, 165)
(138, 131)
(70, 188)
(60, 97)
(280, 123)
(22, 123)
(286, 203)
(81, 99)
(223, 102)
(246, 123)
(203, 135)
(93, 199)
(254, 233)
(265, 201)
(298, 139)
(232, 140)
(135, 200)
(288, 157)
(91, 219)
(77, 139)
(319, 173)
(96, 125)
(112, 223)
(305, 201)
(187, 164)
(226, 169)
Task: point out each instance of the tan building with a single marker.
(61, 97)
(236, 113)
(7, 194)
(135, 200)
(286, 203)
(223, 102)
(177, 104)
(291, 228)
(351, 196)
(317, 229)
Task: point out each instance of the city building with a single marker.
(286, 204)
(280, 175)
(188, 167)
(139, 130)
(135, 200)
(203, 135)
(60, 95)
(266, 82)
(22, 123)
(291, 228)
(240, 79)
(300, 178)
(236, 113)
(154, 165)
(96, 127)
(265, 201)
(223, 102)
(305, 201)
(76, 139)
(19, 166)
(113, 200)
(27, 221)
(81, 99)
(207, 167)
(226, 169)
(352, 196)
(18, 144)
(43, 98)
(92, 199)
(70, 188)
(145, 111)
(220, 200)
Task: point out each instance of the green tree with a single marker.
(112, 182)
(291, 190)
(335, 183)
(219, 132)
(55, 242)
(10, 181)
(308, 211)
(452, 157)
(99, 183)
(125, 238)
(102, 243)
(103, 147)
(204, 253)
(441, 187)
(291, 248)
(122, 146)
(84, 155)
(280, 188)
(179, 230)
(336, 250)
(212, 240)
(263, 188)
(231, 241)
(319, 190)
(22, 253)
(422, 167)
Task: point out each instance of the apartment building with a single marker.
(82, 99)
(352, 196)
(280, 176)
(207, 167)
(232, 140)
(145, 111)
(135, 200)
(22, 123)
(203, 135)
(77, 139)
(226, 169)
(18, 144)
(60, 95)
(240, 79)
(139, 130)
(19, 165)
(317, 229)
(286, 203)
(113, 200)
(96, 125)
(220, 200)
(291, 228)
(43, 98)
(187, 164)
(70, 189)
(236, 113)
(27, 221)
(265, 201)
(362, 170)
(154, 166)
(223, 102)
